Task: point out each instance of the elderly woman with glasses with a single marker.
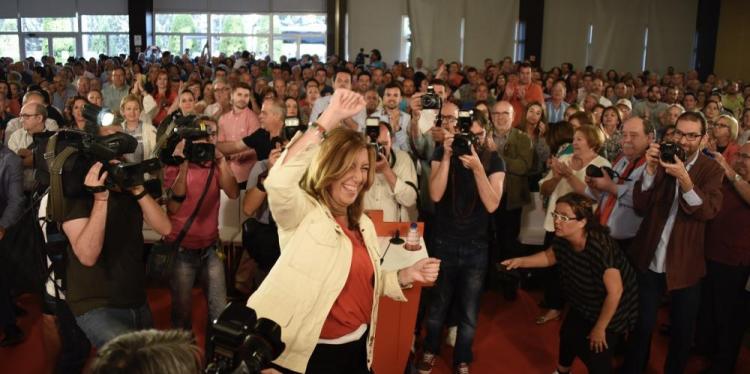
(724, 137)
(598, 280)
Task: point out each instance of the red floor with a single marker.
(507, 340)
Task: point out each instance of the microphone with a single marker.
(396, 238)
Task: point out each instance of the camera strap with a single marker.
(55, 163)
(189, 222)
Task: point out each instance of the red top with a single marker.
(205, 228)
(726, 235)
(164, 103)
(353, 307)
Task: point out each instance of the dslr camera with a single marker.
(594, 171)
(239, 342)
(190, 128)
(75, 151)
(464, 139)
(668, 150)
(372, 130)
(431, 100)
(292, 126)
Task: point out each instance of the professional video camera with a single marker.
(291, 126)
(464, 139)
(372, 130)
(71, 153)
(431, 100)
(668, 150)
(239, 342)
(190, 128)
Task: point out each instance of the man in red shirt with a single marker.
(197, 250)
(521, 94)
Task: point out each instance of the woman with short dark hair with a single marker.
(597, 279)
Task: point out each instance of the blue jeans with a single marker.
(104, 324)
(190, 264)
(462, 271)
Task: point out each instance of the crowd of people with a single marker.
(643, 179)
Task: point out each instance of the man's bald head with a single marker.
(502, 116)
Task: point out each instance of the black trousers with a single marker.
(553, 294)
(7, 306)
(683, 310)
(507, 228)
(722, 318)
(349, 358)
(574, 343)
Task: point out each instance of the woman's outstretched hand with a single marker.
(424, 271)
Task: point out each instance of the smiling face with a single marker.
(567, 225)
(344, 191)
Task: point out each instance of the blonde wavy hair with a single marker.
(336, 157)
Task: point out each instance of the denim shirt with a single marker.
(11, 187)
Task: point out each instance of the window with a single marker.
(519, 41)
(182, 33)
(9, 38)
(106, 34)
(59, 24)
(461, 36)
(589, 42)
(232, 33)
(645, 49)
(405, 38)
(694, 54)
(299, 34)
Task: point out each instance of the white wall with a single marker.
(376, 24)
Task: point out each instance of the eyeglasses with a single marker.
(690, 136)
(562, 218)
(719, 124)
(25, 116)
(744, 156)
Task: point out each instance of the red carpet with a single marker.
(507, 339)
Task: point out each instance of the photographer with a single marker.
(615, 193)
(466, 186)
(191, 183)
(106, 287)
(676, 196)
(394, 190)
(325, 288)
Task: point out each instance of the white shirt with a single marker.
(15, 124)
(399, 204)
(658, 262)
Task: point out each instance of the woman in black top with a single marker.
(597, 280)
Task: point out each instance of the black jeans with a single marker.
(349, 358)
(507, 228)
(574, 343)
(722, 318)
(682, 314)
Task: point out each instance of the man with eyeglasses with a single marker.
(222, 103)
(722, 318)
(15, 124)
(33, 118)
(514, 146)
(675, 198)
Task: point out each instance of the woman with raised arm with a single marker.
(325, 287)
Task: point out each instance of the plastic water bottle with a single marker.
(412, 239)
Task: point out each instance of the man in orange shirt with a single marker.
(235, 125)
(521, 94)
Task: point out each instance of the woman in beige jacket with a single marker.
(324, 289)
